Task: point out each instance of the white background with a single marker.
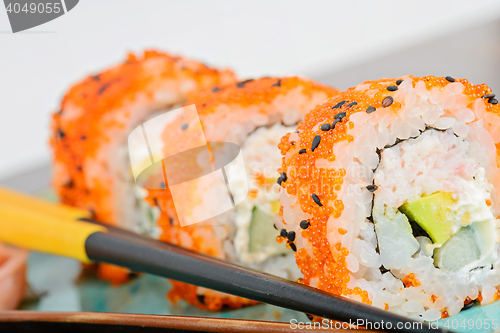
(255, 38)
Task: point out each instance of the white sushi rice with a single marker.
(461, 158)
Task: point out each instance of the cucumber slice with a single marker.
(263, 234)
(458, 251)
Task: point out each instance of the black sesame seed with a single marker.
(392, 88)
(493, 101)
(340, 115)
(103, 88)
(352, 104)
(162, 185)
(201, 299)
(79, 168)
(335, 123)
(489, 96)
(304, 224)
(339, 104)
(450, 79)
(371, 109)
(83, 137)
(280, 180)
(398, 82)
(302, 151)
(216, 89)
(293, 247)
(242, 83)
(277, 84)
(184, 126)
(315, 143)
(325, 127)
(316, 200)
(291, 236)
(372, 188)
(274, 225)
(61, 133)
(284, 177)
(387, 101)
(283, 233)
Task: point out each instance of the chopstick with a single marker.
(28, 203)
(52, 228)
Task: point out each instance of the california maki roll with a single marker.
(391, 193)
(89, 133)
(253, 114)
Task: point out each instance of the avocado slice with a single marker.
(458, 251)
(263, 234)
(431, 214)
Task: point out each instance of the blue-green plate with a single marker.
(54, 281)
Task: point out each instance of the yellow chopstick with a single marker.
(44, 226)
(28, 203)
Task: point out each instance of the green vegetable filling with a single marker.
(263, 234)
(432, 214)
(458, 251)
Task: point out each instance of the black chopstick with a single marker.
(146, 255)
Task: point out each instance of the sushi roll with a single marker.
(89, 133)
(254, 115)
(391, 191)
